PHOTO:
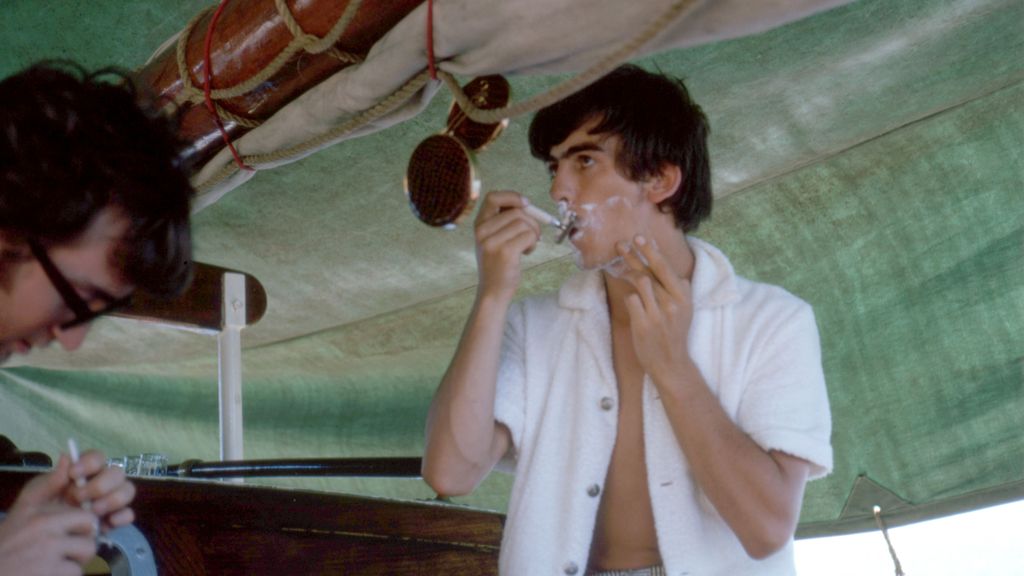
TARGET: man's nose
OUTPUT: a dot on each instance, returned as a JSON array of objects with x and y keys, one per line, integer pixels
[
  {"x": 562, "y": 187},
  {"x": 71, "y": 338}
]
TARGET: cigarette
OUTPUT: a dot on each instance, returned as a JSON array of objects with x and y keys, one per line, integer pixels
[
  {"x": 543, "y": 217},
  {"x": 81, "y": 482}
]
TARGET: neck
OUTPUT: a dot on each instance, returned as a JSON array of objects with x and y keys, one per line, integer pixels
[{"x": 674, "y": 249}]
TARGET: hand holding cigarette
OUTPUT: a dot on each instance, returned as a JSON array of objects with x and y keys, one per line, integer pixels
[
  {"x": 48, "y": 529},
  {"x": 106, "y": 492}
]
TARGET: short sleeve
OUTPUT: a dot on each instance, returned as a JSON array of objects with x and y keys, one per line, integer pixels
[
  {"x": 509, "y": 400},
  {"x": 785, "y": 404}
]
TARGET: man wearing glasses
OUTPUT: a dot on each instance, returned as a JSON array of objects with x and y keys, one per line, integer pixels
[{"x": 94, "y": 205}]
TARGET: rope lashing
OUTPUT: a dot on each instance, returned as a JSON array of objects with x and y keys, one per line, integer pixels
[
  {"x": 677, "y": 11},
  {"x": 351, "y": 125},
  {"x": 208, "y": 87},
  {"x": 301, "y": 40}
]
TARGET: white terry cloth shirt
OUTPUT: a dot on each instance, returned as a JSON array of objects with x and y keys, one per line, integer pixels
[{"x": 756, "y": 346}]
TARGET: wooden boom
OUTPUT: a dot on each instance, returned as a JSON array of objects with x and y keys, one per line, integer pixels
[{"x": 249, "y": 35}]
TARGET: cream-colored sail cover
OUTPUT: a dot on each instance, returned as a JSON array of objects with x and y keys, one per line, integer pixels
[{"x": 480, "y": 37}]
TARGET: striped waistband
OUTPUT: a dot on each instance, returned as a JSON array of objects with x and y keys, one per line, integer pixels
[{"x": 649, "y": 571}]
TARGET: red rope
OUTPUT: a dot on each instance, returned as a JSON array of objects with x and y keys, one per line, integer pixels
[
  {"x": 430, "y": 40},
  {"x": 208, "y": 86}
]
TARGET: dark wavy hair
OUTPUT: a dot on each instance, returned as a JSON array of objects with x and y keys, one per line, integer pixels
[
  {"x": 658, "y": 124},
  {"x": 73, "y": 143}
]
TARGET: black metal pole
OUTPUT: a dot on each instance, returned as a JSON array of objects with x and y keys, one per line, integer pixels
[{"x": 357, "y": 467}]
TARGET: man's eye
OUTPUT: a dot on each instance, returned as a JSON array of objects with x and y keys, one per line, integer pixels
[{"x": 585, "y": 160}]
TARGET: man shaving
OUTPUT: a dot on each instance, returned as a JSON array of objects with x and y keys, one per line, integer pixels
[
  {"x": 661, "y": 414},
  {"x": 94, "y": 206}
]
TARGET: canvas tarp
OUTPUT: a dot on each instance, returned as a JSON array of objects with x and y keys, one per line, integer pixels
[{"x": 869, "y": 158}]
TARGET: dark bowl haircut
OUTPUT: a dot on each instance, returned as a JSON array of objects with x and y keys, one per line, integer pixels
[
  {"x": 658, "y": 124},
  {"x": 73, "y": 143}
]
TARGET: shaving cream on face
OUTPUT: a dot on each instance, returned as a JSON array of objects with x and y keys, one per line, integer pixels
[{"x": 592, "y": 218}]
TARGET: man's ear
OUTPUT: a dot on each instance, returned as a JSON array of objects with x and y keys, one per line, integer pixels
[{"x": 665, "y": 183}]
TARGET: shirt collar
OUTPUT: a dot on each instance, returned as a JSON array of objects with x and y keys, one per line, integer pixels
[{"x": 714, "y": 280}]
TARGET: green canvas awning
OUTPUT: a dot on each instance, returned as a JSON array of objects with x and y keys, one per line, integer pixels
[{"x": 869, "y": 158}]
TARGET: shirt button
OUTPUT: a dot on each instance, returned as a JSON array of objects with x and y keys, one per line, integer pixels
[
  {"x": 593, "y": 490},
  {"x": 571, "y": 568},
  {"x": 607, "y": 403}
]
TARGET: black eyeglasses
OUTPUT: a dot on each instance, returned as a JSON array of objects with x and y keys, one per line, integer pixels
[{"x": 83, "y": 312}]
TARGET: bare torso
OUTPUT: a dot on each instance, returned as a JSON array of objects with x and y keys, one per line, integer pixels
[{"x": 624, "y": 536}]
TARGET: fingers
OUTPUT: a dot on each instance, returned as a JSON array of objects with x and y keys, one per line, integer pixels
[
  {"x": 500, "y": 209},
  {"x": 107, "y": 489},
  {"x": 497, "y": 201},
  {"x": 635, "y": 308},
  {"x": 660, "y": 290},
  {"x": 645, "y": 260},
  {"x": 639, "y": 276},
  {"x": 89, "y": 463},
  {"x": 503, "y": 230},
  {"x": 122, "y": 517},
  {"x": 660, "y": 267},
  {"x": 110, "y": 491},
  {"x": 630, "y": 256},
  {"x": 69, "y": 532},
  {"x": 100, "y": 484},
  {"x": 507, "y": 242},
  {"x": 46, "y": 487},
  {"x": 79, "y": 543},
  {"x": 503, "y": 233},
  {"x": 69, "y": 520},
  {"x": 50, "y": 539}
]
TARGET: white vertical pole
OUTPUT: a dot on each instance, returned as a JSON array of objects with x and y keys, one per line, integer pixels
[{"x": 229, "y": 356}]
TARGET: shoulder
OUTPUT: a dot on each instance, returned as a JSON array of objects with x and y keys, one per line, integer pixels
[
  {"x": 768, "y": 298},
  {"x": 770, "y": 320},
  {"x": 716, "y": 283}
]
